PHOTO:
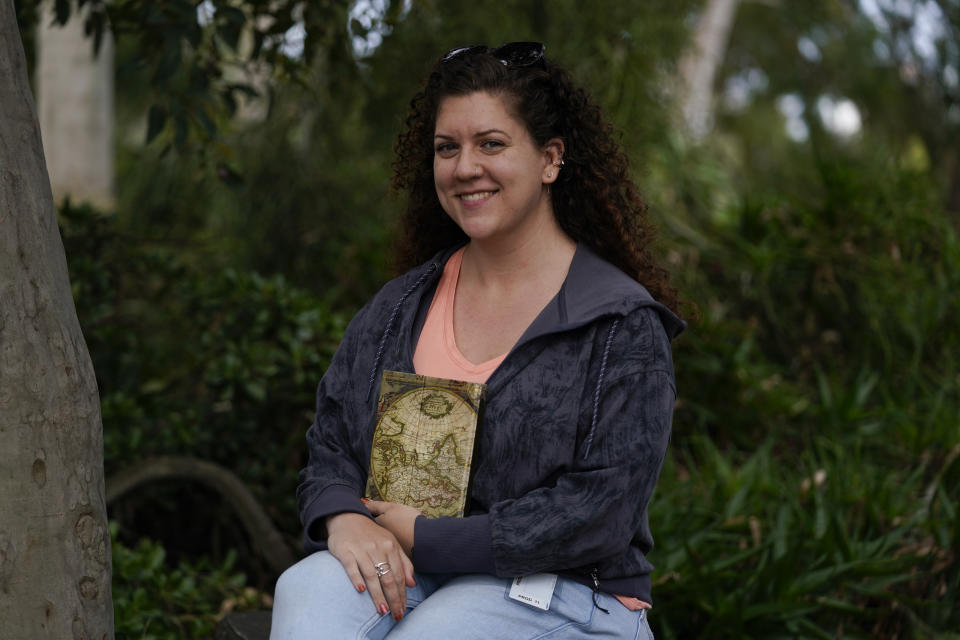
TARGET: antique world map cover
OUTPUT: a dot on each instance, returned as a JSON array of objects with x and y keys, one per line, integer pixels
[{"x": 423, "y": 442}]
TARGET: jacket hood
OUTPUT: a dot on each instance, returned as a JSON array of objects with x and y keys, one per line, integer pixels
[{"x": 595, "y": 288}]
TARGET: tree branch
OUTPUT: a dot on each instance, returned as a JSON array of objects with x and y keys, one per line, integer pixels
[{"x": 267, "y": 540}]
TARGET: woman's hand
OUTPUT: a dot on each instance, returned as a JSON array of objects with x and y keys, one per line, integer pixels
[
  {"x": 360, "y": 544},
  {"x": 398, "y": 519}
]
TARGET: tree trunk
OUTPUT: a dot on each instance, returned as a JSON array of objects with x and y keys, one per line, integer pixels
[
  {"x": 699, "y": 65},
  {"x": 54, "y": 541},
  {"x": 75, "y": 107}
]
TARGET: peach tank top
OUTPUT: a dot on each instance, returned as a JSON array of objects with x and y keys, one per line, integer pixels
[{"x": 437, "y": 354}]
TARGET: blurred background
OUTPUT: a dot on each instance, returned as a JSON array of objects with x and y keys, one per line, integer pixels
[{"x": 222, "y": 174}]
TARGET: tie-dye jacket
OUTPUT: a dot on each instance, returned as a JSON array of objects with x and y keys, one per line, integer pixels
[{"x": 573, "y": 433}]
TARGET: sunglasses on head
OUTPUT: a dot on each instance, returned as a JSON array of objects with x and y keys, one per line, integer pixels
[{"x": 512, "y": 54}]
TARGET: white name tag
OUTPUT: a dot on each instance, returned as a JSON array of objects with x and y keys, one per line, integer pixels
[{"x": 536, "y": 590}]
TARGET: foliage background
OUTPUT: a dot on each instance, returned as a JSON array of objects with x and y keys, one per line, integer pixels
[{"x": 811, "y": 488}]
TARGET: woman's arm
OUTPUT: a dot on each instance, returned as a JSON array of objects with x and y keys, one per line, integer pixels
[
  {"x": 334, "y": 477},
  {"x": 331, "y": 484},
  {"x": 593, "y": 512}
]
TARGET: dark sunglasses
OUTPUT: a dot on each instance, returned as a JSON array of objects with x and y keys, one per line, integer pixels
[{"x": 512, "y": 54}]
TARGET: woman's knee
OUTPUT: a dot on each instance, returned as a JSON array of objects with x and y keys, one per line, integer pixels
[
  {"x": 314, "y": 598},
  {"x": 306, "y": 576}
]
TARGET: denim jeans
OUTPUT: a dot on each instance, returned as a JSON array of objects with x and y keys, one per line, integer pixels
[{"x": 314, "y": 600}]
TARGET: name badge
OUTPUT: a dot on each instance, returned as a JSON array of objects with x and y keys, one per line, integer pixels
[{"x": 535, "y": 590}]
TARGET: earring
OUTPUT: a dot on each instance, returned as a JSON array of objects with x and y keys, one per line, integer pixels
[{"x": 556, "y": 164}]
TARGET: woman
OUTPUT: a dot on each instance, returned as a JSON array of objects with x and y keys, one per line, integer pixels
[{"x": 524, "y": 253}]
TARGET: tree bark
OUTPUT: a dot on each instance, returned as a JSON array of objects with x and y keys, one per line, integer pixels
[
  {"x": 75, "y": 107},
  {"x": 54, "y": 541},
  {"x": 699, "y": 65}
]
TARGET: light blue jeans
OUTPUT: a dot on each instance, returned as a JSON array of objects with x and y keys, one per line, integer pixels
[{"x": 314, "y": 599}]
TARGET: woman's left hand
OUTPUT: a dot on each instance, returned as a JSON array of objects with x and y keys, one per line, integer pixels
[{"x": 398, "y": 519}]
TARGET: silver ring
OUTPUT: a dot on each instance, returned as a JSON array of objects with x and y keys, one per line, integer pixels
[{"x": 383, "y": 568}]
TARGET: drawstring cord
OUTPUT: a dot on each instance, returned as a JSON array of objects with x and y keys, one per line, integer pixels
[
  {"x": 596, "y": 395},
  {"x": 596, "y": 591},
  {"x": 593, "y": 427},
  {"x": 393, "y": 318}
]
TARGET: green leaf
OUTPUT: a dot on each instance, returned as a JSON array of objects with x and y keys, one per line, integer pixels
[
  {"x": 781, "y": 531},
  {"x": 230, "y": 24},
  {"x": 820, "y": 520},
  {"x": 169, "y": 61},
  {"x": 61, "y": 12},
  {"x": 811, "y": 581},
  {"x": 206, "y": 123},
  {"x": 255, "y": 389},
  {"x": 156, "y": 119}
]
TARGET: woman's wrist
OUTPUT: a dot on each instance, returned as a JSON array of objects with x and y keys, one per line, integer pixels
[{"x": 334, "y": 518}]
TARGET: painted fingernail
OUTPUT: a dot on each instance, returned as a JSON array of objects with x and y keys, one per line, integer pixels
[
  {"x": 384, "y": 609},
  {"x": 398, "y": 617},
  {"x": 361, "y": 587},
  {"x": 364, "y": 500}
]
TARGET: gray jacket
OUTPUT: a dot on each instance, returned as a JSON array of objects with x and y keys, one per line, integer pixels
[{"x": 571, "y": 442}]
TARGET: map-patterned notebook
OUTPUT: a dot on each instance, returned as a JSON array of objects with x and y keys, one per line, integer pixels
[{"x": 423, "y": 443}]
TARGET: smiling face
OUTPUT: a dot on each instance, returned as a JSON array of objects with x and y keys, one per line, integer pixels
[{"x": 490, "y": 175}]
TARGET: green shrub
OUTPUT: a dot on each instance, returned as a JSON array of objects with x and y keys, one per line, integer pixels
[
  {"x": 152, "y": 601},
  {"x": 828, "y": 544},
  {"x": 220, "y": 365},
  {"x": 830, "y": 309},
  {"x": 812, "y": 485}
]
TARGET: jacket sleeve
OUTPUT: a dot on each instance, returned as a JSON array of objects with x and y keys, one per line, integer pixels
[
  {"x": 335, "y": 476},
  {"x": 599, "y": 506},
  {"x": 595, "y": 511}
]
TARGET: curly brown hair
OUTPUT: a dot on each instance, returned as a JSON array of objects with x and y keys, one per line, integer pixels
[{"x": 594, "y": 199}]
